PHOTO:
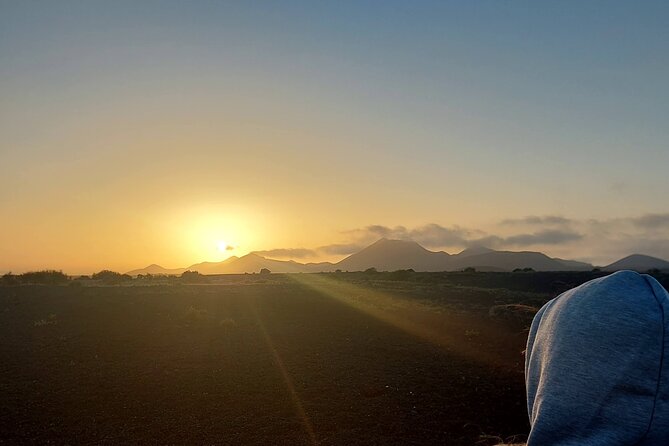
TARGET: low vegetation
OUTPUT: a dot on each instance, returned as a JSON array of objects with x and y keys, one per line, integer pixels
[
  {"x": 193, "y": 277},
  {"x": 45, "y": 277},
  {"x": 110, "y": 277}
]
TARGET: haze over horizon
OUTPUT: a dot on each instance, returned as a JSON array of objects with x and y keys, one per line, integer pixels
[{"x": 179, "y": 132}]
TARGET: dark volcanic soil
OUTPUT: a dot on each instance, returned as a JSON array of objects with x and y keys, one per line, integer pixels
[{"x": 247, "y": 360}]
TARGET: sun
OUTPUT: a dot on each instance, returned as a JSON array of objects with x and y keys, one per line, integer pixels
[{"x": 224, "y": 246}]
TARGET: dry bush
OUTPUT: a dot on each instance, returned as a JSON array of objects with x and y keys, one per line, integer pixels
[{"x": 513, "y": 312}]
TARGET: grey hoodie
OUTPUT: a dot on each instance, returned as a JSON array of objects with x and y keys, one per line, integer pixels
[{"x": 597, "y": 365}]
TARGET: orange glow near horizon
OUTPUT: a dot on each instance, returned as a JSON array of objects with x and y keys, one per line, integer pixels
[{"x": 210, "y": 234}]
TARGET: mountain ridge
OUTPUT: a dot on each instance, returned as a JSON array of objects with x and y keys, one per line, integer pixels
[
  {"x": 638, "y": 262},
  {"x": 391, "y": 255}
]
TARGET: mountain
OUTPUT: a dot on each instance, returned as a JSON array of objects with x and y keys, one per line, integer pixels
[
  {"x": 573, "y": 265},
  {"x": 320, "y": 267},
  {"x": 212, "y": 267},
  {"x": 250, "y": 263},
  {"x": 253, "y": 263},
  {"x": 157, "y": 270},
  {"x": 638, "y": 262},
  {"x": 391, "y": 255},
  {"x": 510, "y": 260},
  {"x": 474, "y": 250}
]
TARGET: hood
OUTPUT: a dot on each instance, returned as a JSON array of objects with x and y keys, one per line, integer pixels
[{"x": 597, "y": 365}]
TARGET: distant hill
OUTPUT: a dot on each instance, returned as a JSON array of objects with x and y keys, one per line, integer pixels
[
  {"x": 638, "y": 262},
  {"x": 211, "y": 267},
  {"x": 474, "y": 250},
  {"x": 389, "y": 255},
  {"x": 573, "y": 265},
  {"x": 509, "y": 260},
  {"x": 254, "y": 263},
  {"x": 157, "y": 270},
  {"x": 250, "y": 263}
]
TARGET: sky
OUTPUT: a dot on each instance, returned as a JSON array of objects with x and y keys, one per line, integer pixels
[{"x": 138, "y": 132}]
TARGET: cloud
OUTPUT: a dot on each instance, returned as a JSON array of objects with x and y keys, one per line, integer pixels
[
  {"x": 302, "y": 253},
  {"x": 385, "y": 231},
  {"x": 548, "y": 237},
  {"x": 600, "y": 241},
  {"x": 652, "y": 221},
  {"x": 537, "y": 220},
  {"x": 489, "y": 241},
  {"x": 340, "y": 248},
  {"x": 434, "y": 235},
  {"x": 298, "y": 253},
  {"x": 431, "y": 234},
  {"x": 229, "y": 248}
]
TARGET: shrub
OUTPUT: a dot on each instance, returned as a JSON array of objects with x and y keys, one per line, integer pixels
[
  {"x": 9, "y": 279},
  {"x": 110, "y": 277},
  {"x": 193, "y": 277},
  {"x": 401, "y": 274},
  {"x": 513, "y": 312},
  {"x": 265, "y": 271},
  {"x": 45, "y": 277}
]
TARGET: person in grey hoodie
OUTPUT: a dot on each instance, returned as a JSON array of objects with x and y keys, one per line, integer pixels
[{"x": 597, "y": 365}]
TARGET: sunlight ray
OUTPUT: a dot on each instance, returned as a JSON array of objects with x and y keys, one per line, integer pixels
[
  {"x": 285, "y": 376},
  {"x": 419, "y": 319}
]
